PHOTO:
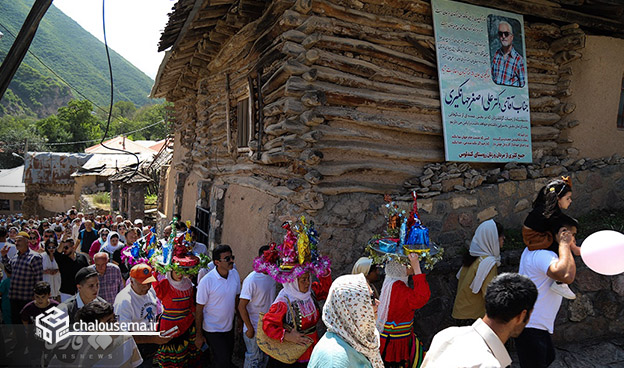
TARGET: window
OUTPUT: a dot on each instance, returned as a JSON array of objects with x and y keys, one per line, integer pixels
[
  {"x": 244, "y": 124},
  {"x": 5, "y": 205},
  {"x": 620, "y": 118},
  {"x": 17, "y": 205},
  {"x": 246, "y": 119},
  {"x": 202, "y": 223}
]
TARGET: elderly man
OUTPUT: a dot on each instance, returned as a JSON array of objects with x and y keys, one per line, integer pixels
[
  {"x": 26, "y": 269},
  {"x": 509, "y": 300},
  {"x": 507, "y": 63},
  {"x": 166, "y": 234},
  {"x": 111, "y": 281},
  {"x": 88, "y": 285},
  {"x": 137, "y": 302}
]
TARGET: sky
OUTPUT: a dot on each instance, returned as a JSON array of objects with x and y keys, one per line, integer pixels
[{"x": 133, "y": 27}]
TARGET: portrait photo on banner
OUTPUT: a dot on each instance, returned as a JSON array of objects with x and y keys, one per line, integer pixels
[{"x": 506, "y": 51}]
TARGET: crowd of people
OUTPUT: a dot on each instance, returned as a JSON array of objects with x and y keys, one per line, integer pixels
[{"x": 76, "y": 263}]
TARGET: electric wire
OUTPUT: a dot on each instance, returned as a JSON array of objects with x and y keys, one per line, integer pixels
[{"x": 110, "y": 72}]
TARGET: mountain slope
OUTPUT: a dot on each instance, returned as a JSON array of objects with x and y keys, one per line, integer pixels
[{"x": 74, "y": 54}]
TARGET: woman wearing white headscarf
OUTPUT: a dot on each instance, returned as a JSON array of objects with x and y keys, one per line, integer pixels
[
  {"x": 297, "y": 294},
  {"x": 371, "y": 271},
  {"x": 352, "y": 340},
  {"x": 478, "y": 270},
  {"x": 399, "y": 346},
  {"x": 112, "y": 244}
]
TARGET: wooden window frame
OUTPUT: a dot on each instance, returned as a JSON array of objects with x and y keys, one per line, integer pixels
[{"x": 251, "y": 118}]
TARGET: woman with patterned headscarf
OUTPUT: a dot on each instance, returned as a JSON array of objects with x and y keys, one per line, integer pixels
[
  {"x": 352, "y": 339},
  {"x": 399, "y": 346}
]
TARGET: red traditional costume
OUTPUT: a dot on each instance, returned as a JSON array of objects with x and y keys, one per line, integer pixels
[
  {"x": 397, "y": 337},
  {"x": 306, "y": 314},
  {"x": 294, "y": 258}
]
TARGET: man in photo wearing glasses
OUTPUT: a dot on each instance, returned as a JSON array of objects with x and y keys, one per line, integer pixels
[
  {"x": 217, "y": 303},
  {"x": 507, "y": 64}
]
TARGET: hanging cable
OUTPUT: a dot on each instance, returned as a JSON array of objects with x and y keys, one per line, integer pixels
[{"x": 110, "y": 72}]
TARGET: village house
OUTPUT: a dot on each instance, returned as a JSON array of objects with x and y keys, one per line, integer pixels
[{"x": 320, "y": 107}]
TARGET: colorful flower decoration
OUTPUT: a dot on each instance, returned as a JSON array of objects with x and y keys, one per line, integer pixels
[
  {"x": 177, "y": 254},
  {"x": 403, "y": 235},
  {"x": 296, "y": 255}
]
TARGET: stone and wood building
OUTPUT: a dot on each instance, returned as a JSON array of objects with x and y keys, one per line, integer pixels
[{"x": 320, "y": 107}]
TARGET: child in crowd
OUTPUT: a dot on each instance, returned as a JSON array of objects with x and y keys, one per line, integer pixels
[{"x": 551, "y": 199}]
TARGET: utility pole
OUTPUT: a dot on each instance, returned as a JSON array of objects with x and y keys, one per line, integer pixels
[{"x": 21, "y": 44}]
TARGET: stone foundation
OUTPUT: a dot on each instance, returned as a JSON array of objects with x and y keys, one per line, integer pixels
[{"x": 347, "y": 221}]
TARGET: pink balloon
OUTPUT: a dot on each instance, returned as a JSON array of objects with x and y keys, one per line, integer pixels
[{"x": 603, "y": 252}]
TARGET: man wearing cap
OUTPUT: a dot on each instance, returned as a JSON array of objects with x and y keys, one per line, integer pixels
[
  {"x": 69, "y": 263},
  {"x": 88, "y": 285},
  {"x": 137, "y": 302}
]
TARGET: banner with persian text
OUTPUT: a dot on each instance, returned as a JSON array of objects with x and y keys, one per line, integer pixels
[{"x": 482, "y": 74}]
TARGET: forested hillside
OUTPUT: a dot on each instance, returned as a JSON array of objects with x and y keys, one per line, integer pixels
[{"x": 72, "y": 53}]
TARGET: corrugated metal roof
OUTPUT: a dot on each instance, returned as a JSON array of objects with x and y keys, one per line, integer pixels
[
  {"x": 120, "y": 142},
  {"x": 11, "y": 180},
  {"x": 53, "y": 167}
]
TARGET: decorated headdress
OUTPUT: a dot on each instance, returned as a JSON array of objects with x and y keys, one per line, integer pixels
[
  {"x": 177, "y": 253},
  {"x": 404, "y": 234},
  {"x": 297, "y": 254}
]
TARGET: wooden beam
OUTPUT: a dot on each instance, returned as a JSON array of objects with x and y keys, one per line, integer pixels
[
  {"x": 552, "y": 13},
  {"x": 21, "y": 44}
]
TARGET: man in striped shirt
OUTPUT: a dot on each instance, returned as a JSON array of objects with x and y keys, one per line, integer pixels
[{"x": 507, "y": 64}]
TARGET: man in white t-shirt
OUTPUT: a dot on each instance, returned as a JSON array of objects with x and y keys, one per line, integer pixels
[
  {"x": 256, "y": 296},
  {"x": 217, "y": 301},
  {"x": 544, "y": 267},
  {"x": 137, "y": 302}
]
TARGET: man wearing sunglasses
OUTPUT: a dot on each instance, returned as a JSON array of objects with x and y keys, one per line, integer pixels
[
  {"x": 217, "y": 302},
  {"x": 507, "y": 64},
  {"x": 69, "y": 262}
]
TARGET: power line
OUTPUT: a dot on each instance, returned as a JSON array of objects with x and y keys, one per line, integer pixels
[
  {"x": 58, "y": 76},
  {"x": 91, "y": 140}
]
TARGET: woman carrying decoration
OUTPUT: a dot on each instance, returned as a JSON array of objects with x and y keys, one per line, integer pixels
[
  {"x": 289, "y": 327},
  {"x": 536, "y": 232},
  {"x": 399, "y": 345},
  {"x": 405, "y": 240},
  {"x": 478, "y": 270}
]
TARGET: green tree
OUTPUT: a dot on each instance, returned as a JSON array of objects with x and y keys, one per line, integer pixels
[
  {"x": 73, "y": 123},
  {"x": 152, "y": 114},
  {"x": 15, "y": 131}
]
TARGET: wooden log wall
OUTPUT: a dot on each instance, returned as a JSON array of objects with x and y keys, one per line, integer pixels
[{"x": 351, "y": 99}]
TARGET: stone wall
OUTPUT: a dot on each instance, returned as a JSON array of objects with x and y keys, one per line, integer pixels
[{"x": 347, "y": 222}]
